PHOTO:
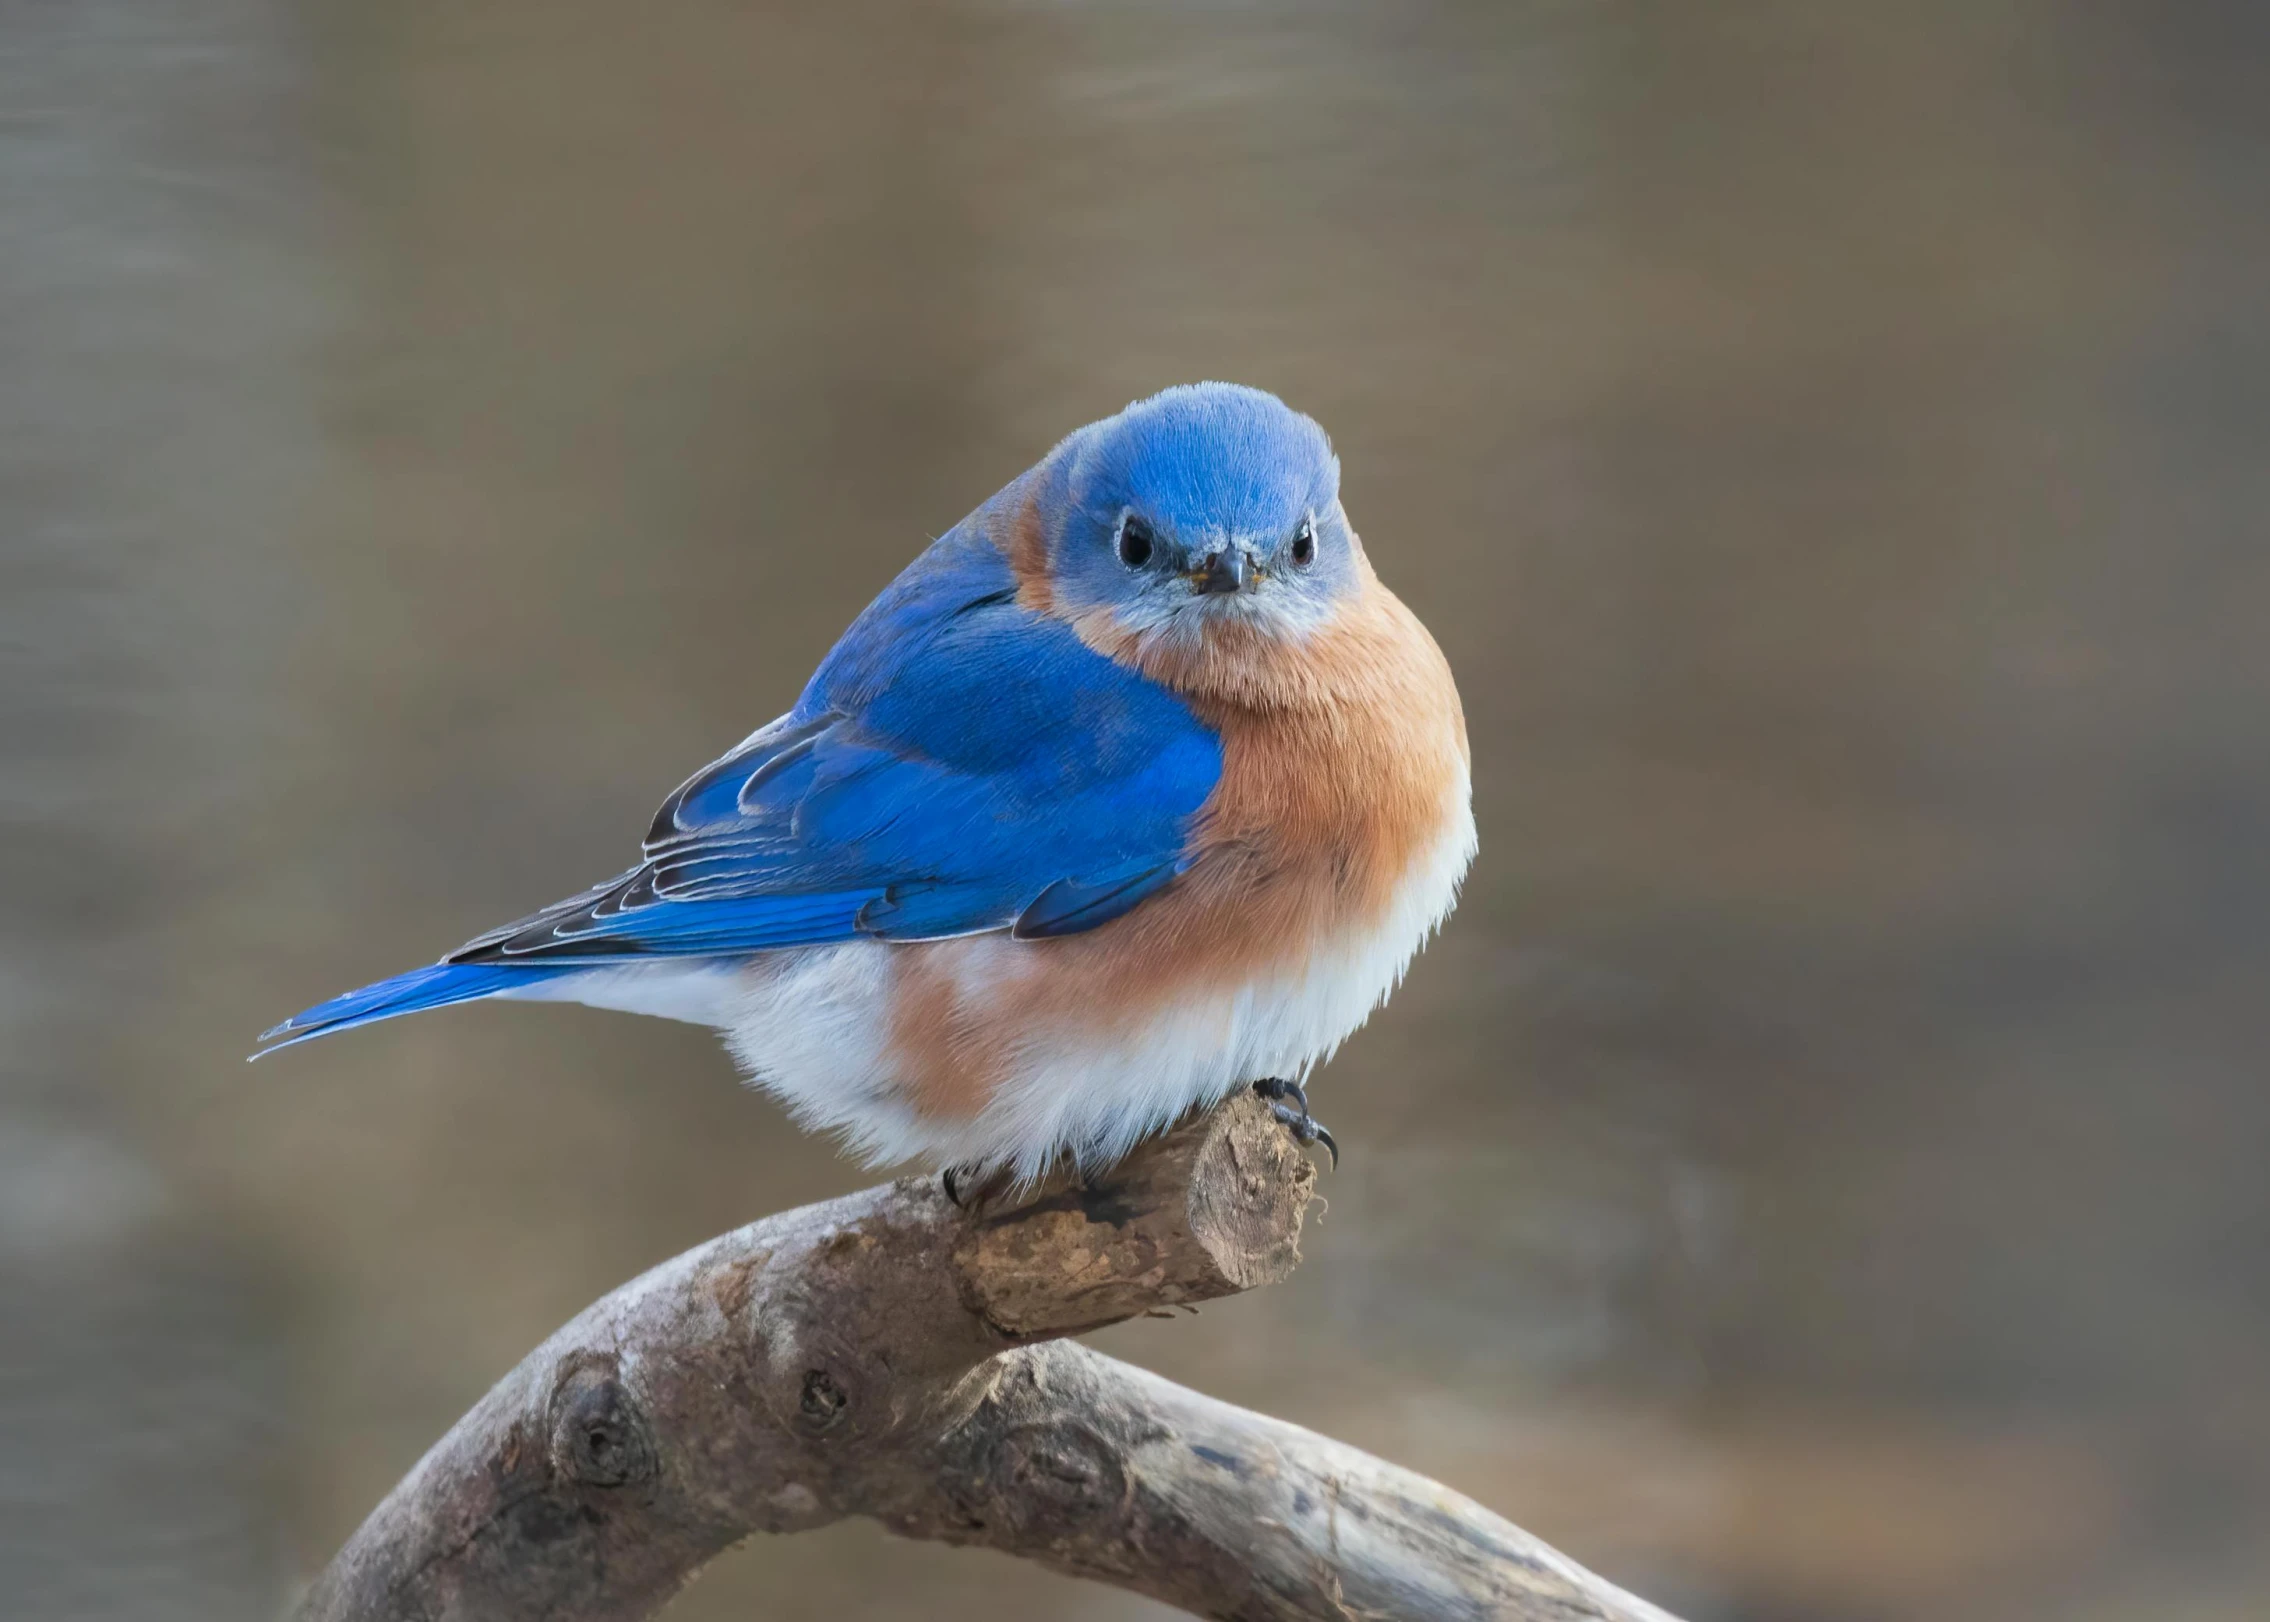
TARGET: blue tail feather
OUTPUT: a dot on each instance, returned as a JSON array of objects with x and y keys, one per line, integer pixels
[{"x": 435, "y": 986}]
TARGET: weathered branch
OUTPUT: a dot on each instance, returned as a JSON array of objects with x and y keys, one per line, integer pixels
[{"x": 888, "y": 1355}]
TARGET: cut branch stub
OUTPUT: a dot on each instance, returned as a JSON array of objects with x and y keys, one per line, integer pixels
[{"x": 1207, "y": 1210}]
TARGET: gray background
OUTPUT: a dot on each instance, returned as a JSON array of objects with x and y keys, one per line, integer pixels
[{"x": 1820, "y": 1173}]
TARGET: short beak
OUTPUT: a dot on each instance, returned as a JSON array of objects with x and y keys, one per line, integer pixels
[{"x": 1220, "y": 573}]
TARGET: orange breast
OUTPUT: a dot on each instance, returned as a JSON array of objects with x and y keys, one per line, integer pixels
[{"x": 1342, "y": 758}]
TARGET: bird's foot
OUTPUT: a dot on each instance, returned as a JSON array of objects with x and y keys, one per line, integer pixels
[
  {"x": 1289, "y": 1104},
  {"x": 970, "y": 1188},
  {"x": 978, "y": 1191}
]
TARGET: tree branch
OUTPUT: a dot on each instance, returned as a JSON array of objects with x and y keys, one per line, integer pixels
[{"x": 888, "y": 1355}]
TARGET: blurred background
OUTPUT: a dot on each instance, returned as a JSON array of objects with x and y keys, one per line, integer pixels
[{"x": 1821, "y": 1171}]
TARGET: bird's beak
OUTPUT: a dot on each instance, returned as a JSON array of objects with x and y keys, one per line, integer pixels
[{"x": 1219, "y": 573}]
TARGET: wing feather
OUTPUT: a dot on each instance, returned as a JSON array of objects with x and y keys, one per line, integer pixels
[{"x": 959, "y": 764}]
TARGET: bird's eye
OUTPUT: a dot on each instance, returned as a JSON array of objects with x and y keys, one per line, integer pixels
[
  {"x": 1304, "y": 545},
  {"x": 1134, "y": 542}
]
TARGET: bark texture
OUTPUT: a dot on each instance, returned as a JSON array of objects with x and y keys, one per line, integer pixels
[{"x": 889, "y": 1355}]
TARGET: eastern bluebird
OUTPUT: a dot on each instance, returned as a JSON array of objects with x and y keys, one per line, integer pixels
[{"x": 1135, "y": 788}]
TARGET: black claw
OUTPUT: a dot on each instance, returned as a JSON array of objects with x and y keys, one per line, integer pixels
[
  {"x": 1277, "y": 1090},
  {"x": 1306, "y": 1129},
  {"x": 951, "y": 1180}
]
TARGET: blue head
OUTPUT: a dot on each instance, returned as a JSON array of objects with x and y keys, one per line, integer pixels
[{"x": 1204, "y": 505}]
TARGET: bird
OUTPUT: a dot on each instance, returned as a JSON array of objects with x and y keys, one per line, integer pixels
[{"x": 1135, "y": 789}]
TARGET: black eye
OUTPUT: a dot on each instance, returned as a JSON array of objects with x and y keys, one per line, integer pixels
[
  {"x": 1134, "y": 542},
  {"x": 1304, "y": 545}
]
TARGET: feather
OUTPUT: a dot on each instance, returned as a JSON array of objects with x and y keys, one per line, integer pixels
[{"x": 436, "y": 986}]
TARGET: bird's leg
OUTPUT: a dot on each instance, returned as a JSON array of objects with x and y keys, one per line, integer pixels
[{"x": 1306, "y": 1129}]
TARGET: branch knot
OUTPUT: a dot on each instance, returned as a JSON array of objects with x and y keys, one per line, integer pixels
[{"x": 599, "y": 1437}]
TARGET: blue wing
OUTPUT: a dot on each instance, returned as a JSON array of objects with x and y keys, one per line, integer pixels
[{"x": 957, "y": 765}]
